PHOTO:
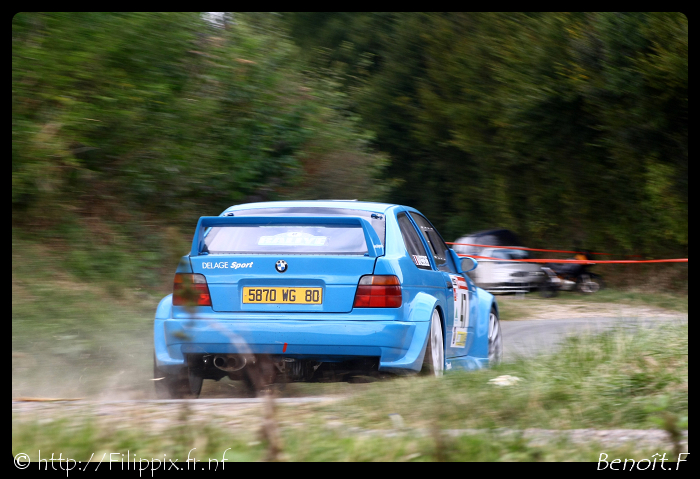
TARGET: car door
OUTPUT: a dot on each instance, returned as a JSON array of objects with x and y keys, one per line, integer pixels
[{"x": 460, "y": 299}]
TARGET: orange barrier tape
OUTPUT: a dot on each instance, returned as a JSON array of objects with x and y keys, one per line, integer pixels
[
  {"x": 538, "y": 249},
  {"x": 580, "y": 261}
]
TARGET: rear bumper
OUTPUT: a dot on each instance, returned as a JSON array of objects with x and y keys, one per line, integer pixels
[{"x": 399, "y": 345}]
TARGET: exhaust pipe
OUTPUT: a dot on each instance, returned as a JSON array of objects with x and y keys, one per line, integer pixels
[{"x": 229, "y": 362}]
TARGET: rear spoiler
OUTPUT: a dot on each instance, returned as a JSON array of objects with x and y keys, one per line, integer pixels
[{"x": 374, "y": 245}]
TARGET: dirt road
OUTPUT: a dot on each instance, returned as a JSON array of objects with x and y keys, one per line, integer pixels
[
  {"x": 531, "y": 337},
  {"x": 130, "y": 376}
]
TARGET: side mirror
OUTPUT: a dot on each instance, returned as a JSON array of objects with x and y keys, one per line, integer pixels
[
  {"x": 456, "y": 260},
  {"x": 469, "y": 264}
]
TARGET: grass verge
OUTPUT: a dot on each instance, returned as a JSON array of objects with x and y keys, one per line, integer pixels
[
  {"x": 211, "y": 444},
  {"x": 624, "y": 378}
]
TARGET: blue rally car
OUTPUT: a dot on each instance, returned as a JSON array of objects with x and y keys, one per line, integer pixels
[{"x": 319, "y": 291}]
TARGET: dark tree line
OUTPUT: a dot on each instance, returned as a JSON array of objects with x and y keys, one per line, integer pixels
[{"x": 564, "y": 127}]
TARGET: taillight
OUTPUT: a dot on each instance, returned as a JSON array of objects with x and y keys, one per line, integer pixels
[
  {"x": 378, "y": 291},
  {"x": 190, "y": 290}
]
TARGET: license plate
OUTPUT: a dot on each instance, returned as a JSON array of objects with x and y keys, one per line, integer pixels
[{"x": 282, "y": 295}]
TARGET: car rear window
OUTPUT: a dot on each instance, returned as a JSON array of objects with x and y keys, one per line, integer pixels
[
  {"x": 494, "y": 237},
  {"x": 377, "y": 220},
  {"x": 510, "y": 254},
  {"x": 286, "y": 239}
]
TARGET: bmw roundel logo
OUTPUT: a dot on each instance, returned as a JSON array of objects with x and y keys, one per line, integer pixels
[{"x": 281, "y": 266}]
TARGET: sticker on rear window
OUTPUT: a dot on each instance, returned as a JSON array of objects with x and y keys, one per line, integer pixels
[
  {"x": 293, "y": 238},
  {"x": 421, "y": 260}
]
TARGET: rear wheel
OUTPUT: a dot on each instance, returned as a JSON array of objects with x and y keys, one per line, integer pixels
[
  {"x": 434, "y": 359},
  {"x": 495, "y": 339},
  {"x": 589, "y": 283},
  {"x": 185, "y": 385}
]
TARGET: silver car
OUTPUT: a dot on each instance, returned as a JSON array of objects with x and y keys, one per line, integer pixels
[{"x": 501, "y": 276}]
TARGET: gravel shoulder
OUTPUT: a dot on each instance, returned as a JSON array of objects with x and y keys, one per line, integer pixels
[
  {"x": 527, "y": 338},
  {"x": 533, "y": 308}
]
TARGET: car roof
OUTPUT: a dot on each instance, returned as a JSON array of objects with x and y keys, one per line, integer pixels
[
  {"x": 489, "y": 232},
  {"x": 503, "y": 236},
  {"x": 343, "y": 204}
]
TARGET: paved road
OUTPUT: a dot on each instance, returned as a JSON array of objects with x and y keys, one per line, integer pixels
[{"x": 528, "y": 338}]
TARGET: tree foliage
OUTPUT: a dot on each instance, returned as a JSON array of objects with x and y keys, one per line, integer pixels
[
  {"x": 569, "y": 128},
  {"x": 172, "y": 114},
  {"x": 566, "y": 127}
]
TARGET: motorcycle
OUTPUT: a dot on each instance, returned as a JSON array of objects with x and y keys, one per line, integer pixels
[{"x": 567, "y": 277}]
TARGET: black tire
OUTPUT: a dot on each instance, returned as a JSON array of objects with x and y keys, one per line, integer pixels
[
  {"x": 434, "y": 359},
  {"x": 185, "y": 385},
  {"x": 588, "y": 283},
  {"x": 598, "y": 280}
]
